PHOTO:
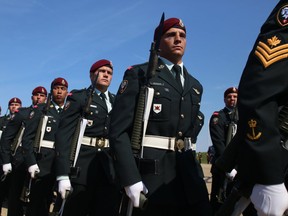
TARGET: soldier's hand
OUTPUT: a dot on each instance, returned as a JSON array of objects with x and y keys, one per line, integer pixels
[
  {"x": 33, "y": 170},
  {"x": 7, "y": 168},
  {"x": 231, "y": 175},
  {"x": 63, "y": 187},
  {"x": 133, "y": 192}
]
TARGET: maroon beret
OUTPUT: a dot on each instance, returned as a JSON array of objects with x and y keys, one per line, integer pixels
[
  {"x": 170, "y": 23},
  {"x": 230, "y": 90},
  {"x": 14, "y": 100},
  {"x": 100, "y": 63},
  {"x": 39, "y": 89},
  {"x": 59, "y": 81}
]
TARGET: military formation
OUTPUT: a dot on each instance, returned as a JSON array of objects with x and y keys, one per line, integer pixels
[{"x": 89, "y": 152}]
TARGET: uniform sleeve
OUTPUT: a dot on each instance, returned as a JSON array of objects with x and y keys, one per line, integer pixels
[
  {"x": 122, "y": 117},
  {"x": 31, "y": 126},
  {"x": 217, "y": 133},
  {"x": 8, "y": 136}
]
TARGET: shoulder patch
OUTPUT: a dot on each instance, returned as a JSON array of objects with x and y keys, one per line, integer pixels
[
  {"x": 282, "y": 15},
  {"x": 67, "y": 105},
  {"x": 123, "y": 86}
]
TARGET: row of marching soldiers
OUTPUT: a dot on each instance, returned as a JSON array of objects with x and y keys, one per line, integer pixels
[
  {"x": 30, "y": 169},
  {"x": 64, "y": 146}
]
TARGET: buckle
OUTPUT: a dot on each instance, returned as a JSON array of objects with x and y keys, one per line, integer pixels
[
  {"x": 101, "y": 142},
  {"x": 179, "y": 145}
]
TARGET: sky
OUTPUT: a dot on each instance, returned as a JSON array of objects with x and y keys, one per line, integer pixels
[{"x": 41, "y": 40}]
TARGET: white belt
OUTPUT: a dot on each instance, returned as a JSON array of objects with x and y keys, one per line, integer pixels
[
  {"x": 95, "y": 142},
  {"x": 47, "y": 144},
  {"x": 168, "y": 143}
]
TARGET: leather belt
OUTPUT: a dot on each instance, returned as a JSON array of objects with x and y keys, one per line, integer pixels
[
  {"x": 168, "y": 143},
  {"x": 95, "y": 142},
  {"x": 47, "y": 144}
]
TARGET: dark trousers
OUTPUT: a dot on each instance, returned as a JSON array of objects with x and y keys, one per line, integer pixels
[
  {"x": 98, "y": 197},
  {"x": 41, "y": 196},
  {"x": 15, "y": 205}
]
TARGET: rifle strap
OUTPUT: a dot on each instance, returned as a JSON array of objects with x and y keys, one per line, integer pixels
[
  {"x": 43, "y": 128},
  {"x": 148, "y": 103},
  {"x": 79, "y": 141}
]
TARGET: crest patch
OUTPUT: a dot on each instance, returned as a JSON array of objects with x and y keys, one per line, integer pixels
[
  {"x": 123, "y": 86},
  {"x": 157, "y": 108},
  {"x": 282, "y": 16}
]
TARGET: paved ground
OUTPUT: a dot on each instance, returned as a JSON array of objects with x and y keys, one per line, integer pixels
[{"x": 207, "y": 175}]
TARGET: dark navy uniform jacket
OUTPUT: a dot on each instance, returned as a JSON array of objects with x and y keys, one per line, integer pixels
[
  {"x": 45, "y": 158},
  {"x": 263, "y": 88},
  {"x": 173, "y": 114},
  {"x": 98, "y": 126},
  {"x": 218, "y": 126},
  {"x": 12, "y": 128}
]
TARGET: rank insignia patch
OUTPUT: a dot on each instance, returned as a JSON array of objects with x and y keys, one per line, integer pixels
[
  {"x": 271, "y": 52},
  {"x": 157, "y": 108},
  {"x": 123, "y": 86},
  {"x": 253, "y": 134},
  {"x": 282, "y": 16}
]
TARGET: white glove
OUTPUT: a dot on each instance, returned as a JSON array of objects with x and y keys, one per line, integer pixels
[
  {"x": 7, "y": 168},
  {"x": 63, "y": 187},
  {"x": 133, "y": 192},
  {"x": 232, "y": 174},
  {"x": 33, "y": 170}
]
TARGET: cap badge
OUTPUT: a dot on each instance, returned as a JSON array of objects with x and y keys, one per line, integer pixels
[{"x": 181, "y": 23}]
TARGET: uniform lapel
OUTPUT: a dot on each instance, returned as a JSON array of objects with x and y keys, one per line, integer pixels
[{"x": 165, "y": 74}]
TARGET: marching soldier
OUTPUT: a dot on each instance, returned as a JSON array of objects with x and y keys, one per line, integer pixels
[
  {"x": 167, "y": 173},
  {"x": 256, "y": 148},
  {"x": 10, "y": 139},
  {"x": 82, "y": 158},
  {"x": 219, "y": 129},
  {"x": 38, "y": 148},
  {"x": 13, "y": 105}
]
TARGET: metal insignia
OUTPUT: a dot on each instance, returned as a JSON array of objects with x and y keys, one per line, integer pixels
[
  {"x": 196, "y": 91},
  {"x": 123, "y": 86},
  {"x": 282, "y": 16},
  {"x": 253, "y": 135},
  {"x": 48, "y": 129},
  {"x": 31, "y": 114},
  {"x": 157, "y": 108},
  {"x": 161, "y": 66},
  {"x": 89, "y": 122},
  {"x": 179, "y": 144}
]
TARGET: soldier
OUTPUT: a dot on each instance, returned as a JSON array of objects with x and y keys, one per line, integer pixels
[
  {"x": 256, "y": 148},
  {"x": 13, "y": 105},
  {"x": 94, "y": 191},
  {"x": 219, "y": 129},
  {"x": 168, "y": 173},
  {"x": 16, "y": 162},
  {"x": 38, "y": 148}
]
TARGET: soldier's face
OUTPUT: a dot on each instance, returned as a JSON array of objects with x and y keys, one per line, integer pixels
[
  {"x": 59, "y": 94},
  {"x": 38, "y": 98},
  {"x": 13, "y": 107},
  {"x": 104, "y": 77},
  {"x": 231, "y": 100},
  {"x": 173, "y": 44}
]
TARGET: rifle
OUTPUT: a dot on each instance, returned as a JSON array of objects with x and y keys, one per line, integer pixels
[
  {"x": 17, "y": 140},
  {"x": 42, "y": 124},
  {"x": 79, "y": 132},
  {"x": 142, "y": 114}
]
